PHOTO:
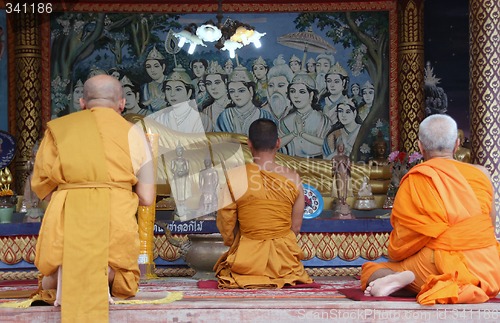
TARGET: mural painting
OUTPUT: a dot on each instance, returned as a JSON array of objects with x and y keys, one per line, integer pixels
[{"x": 323, "y": 77}]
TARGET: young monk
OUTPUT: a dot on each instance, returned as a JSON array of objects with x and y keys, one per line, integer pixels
[{"x": 262, "y": 214}]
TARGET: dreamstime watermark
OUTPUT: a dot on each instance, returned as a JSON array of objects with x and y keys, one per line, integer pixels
[{"x": 433, "y": 315}]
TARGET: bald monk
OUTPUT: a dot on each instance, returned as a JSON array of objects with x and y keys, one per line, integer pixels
[
  {"x": 94, "y": 168},
  {"x": 443, "y": 245},
  {"x": 264, "y": 205}
]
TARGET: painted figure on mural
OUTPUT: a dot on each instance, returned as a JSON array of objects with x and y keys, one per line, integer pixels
[
  {"x": 302, "y": 131},
  {"x": 77, "y": 94},
  {"x": 182, "y": 113},
  {"x": 337, "y": 82},
  {"x": 238, "y": 117},
  {"x": 344, "y": 131},
  {"x": 279, "y": 77},
  {"x": 132, "y": 97},
  {"x": 356, "y": 93},
  {"x": 199, "y": 69},
  {"x": 229, "y": 66},
  {"x": 260, "y": 70},
  {"x": 295, "y": 64},
  {"x": 218, "y": 98},
  {"x": 152, "y": 95},
  {"x": 368, "y": 94},
  {"x": 311, "y": 67},
  {"x": 323, "y": 64}
]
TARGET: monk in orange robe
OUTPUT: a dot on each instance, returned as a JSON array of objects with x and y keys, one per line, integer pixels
[
  {"x": 93, "y": 167},
  {"x": 443, "y": 245},
  {"x": 264, "y": 205}
]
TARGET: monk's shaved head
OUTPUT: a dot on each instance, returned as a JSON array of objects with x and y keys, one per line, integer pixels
[
  {"x": 103, "y": 91},
  {"x": 438, "y": 133}
]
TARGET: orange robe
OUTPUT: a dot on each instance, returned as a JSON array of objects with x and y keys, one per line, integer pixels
[
  {"x": 90, "y": 222},
  {"x": 442, "y": 231},
  {"x": 263, "y": 249}
]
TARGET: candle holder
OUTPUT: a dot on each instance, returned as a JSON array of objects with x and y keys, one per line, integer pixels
[{"x": 146, "y": 219}]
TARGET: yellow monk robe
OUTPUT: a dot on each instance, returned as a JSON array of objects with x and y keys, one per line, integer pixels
[
  {"x": 90, "y": 222},
  {"x": 442, "y": 231},
  {"x": 263, "y": 249}
]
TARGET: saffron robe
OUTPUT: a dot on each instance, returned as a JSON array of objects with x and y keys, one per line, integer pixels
[
  {"x": 90, "y": 222},
  {"x": 256, "y": 225},
  {"x": 442, "y": 231}
]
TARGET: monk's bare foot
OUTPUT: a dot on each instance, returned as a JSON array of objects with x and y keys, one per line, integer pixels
[
  {"x": 57, "y": 302},
  {"x": 387, "y": 285},
  {"x": 110, "y": 299}
]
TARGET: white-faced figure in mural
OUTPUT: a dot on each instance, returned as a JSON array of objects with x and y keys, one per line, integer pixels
[
  {"x": 295, "y": 64},
  {"x": 279, "y": 77},
  {"x": 368, "y": 94},
  {"x": 216, "y": 84},
  {"x": 323, "y": 64},
  {"x": 238, "y": 117},
  {"x": 229, "y": 67},
  {"x": 337, "y": 82},
  {"x": 182, "y": 114},
  {"x": 199, "y": 68},
  {"x": 76, "y": 95},
  {"x": 131, "y": 95},
  {"x": 153, "y": 97},
  {"x": 311, "y": 67},
  {"x": 303, "y": 130},
  {"x": 356, "y": 93},
  {"x": 260, "y": 70},
  {"x": 344, "y": 131}
]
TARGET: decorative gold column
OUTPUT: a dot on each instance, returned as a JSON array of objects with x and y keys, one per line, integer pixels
[
  {"x": 411, "y": 71},
  {"x": 484, "y": 62},
  {"x": 28, "y": 87}
]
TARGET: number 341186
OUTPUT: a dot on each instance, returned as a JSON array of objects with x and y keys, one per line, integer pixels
[{"x": 28, "y": 7}]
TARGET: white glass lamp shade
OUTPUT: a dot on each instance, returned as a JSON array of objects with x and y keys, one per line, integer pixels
[
  {"x": 255, "y": 38},
  {"x": 208, "y": 33},
  {"x": 231, "y": 46},
  {"x": 242, "y": 35}
]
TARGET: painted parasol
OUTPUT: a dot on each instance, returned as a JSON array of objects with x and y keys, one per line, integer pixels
[{"x": 306, "y": 41}]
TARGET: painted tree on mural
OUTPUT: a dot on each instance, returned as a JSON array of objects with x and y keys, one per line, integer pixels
[
  {"x": 77, "y": 35},
  {"x": 368, "y": 34}
]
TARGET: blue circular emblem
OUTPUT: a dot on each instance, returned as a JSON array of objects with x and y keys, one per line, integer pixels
[
  {"x": 314, "y": 202},
  {"x": 7, "y": 148}
]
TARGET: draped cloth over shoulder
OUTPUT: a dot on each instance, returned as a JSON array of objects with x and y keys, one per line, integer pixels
[
  {"x": 444, "y": 234},
  {"x": 263, "y": 250},
  {"x": 91, "y": 215}
]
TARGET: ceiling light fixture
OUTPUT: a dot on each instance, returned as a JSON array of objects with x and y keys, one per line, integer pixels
[{"x": 229, "y": 36}]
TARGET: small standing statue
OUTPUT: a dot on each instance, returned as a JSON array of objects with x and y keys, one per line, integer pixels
[
  {"x": 341, "y": 172},
  {"x": 31, "y": 202},
  {"x": 180, "y": 170},
  {"x": 209, "y": 183}
]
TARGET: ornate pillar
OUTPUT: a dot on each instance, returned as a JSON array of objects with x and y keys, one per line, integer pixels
[
  {"x": 411, "y": 71},
  {"x": 28, "y": 87},
  {"x": 484, "y": 62}
]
